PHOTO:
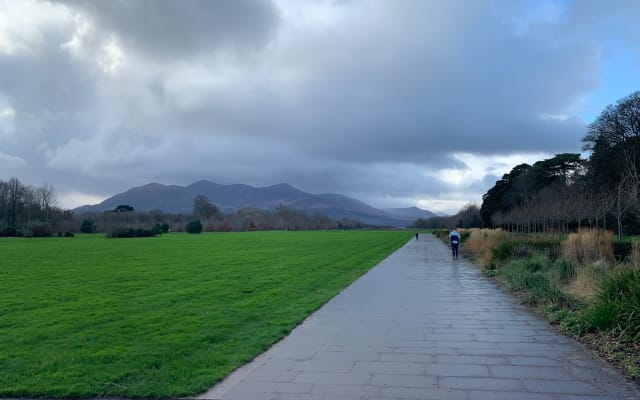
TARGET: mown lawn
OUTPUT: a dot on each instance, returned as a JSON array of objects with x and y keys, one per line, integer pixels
[{"x": 166, "y": 316}]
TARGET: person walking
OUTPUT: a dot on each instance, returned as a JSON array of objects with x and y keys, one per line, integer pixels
[{"x": 454, "y": 238}]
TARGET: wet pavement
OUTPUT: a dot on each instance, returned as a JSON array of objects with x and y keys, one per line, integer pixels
[{"x": 423, "y": 326}]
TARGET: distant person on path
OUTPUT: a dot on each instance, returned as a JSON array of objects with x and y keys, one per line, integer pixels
[
  {"x": 454, "y": 238},
  {"x": 417, "y": 233}
]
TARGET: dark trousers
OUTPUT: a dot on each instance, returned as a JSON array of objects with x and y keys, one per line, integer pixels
[{"x": 454, "y": 250}]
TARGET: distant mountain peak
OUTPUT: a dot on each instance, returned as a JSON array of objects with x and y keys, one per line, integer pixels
[
  {"x": 230, "y": 198},
  {"x": 201, "y": 182},
  {"x": 150, "y": 186},
  {"x": 411, "y": 213}
]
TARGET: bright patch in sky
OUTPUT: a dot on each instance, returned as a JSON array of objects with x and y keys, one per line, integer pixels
[
  {"x": 70, "y": 200},
  {"x": 476, "y": 167},
  {"x": 7, "y": 124}
]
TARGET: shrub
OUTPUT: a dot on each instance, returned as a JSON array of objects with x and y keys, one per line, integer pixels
[
  {"x": 145, "y": 232},
  {"x": 39, "y": 229},
  {"x": 161, "y": 228},
  {"x": 536, "y": 263},
  {"x": 602, "y": 315},
  {"x": 69, "y": 234},
  {"x": 530, "y": 276},
  {"x": 524, "y": 246},
  {"x": 622, "y": 249},
  {"x": 517, "y": 276},
  {"x": 567, "y": 269},
  {"x": 193, "y": 227},
  {"x": 503, "y": 251},
  {"x": 11, "y": 232},
  {"x": 617, "y": 303},
  {"x": 88, "y": 226},
  {"x": 123, "y": 232}
]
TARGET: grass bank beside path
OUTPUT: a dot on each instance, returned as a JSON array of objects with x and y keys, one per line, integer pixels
[
  {"x": 586, "y": 283},
  {"x": 167, "y": 316}
]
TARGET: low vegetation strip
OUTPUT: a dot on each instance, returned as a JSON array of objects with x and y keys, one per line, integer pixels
[
  {"x": 166, "y": 316},
  {"x": 582, "y": 282}
]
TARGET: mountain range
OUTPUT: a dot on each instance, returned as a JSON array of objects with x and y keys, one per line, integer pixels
[{"x": 230, "y": 198}]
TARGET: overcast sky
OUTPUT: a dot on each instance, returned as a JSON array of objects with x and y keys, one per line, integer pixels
[{"x": 396, "y": 103}]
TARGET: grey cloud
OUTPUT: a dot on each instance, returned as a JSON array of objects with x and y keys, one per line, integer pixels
[
  {"x": 177, "y": 29},
  {"x": 46, "y": 79},
  {"x": 499, "y": 91},
  {"x": 242, "y": 92},
  {"x": 51, "y": 95}
]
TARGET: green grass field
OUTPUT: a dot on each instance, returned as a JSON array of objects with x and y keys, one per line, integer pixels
[{"x": 166, "y": 316}]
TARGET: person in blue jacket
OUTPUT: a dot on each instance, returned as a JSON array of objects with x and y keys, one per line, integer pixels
[{"x": 454, "y": 238}]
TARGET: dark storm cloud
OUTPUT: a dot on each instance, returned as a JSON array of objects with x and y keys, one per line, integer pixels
[{"x": 171, "y": 29}]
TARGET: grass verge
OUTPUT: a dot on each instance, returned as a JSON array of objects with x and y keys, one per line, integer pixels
[
  {"x": 576, "y": 281},
  {"x": 162, "y": 317}
]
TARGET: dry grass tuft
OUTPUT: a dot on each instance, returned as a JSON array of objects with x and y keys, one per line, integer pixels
[
  {"x": 585, "y": 284},
  {"x": 482, "y": 241},
  {"x": 588, "y": 245}
]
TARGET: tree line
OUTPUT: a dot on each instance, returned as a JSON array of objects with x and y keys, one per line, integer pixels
[
  {"x": 29, "y": 210},
  {"x": 32, "y": 211},
  {"x": 467, "y": 217},
  {"x": 566, "y": 192},
  {"x": 207, "y": 217}
]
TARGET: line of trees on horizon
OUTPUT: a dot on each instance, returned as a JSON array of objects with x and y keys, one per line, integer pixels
[
  {"x": 32, "y": 211},
  {"x": 209, "y": 218},
  {"x": 29, "y": 210},
  {"x": 467, "y": 217}
]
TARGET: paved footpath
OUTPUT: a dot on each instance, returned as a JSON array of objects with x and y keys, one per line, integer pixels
[{"x": 423, "y": 326}]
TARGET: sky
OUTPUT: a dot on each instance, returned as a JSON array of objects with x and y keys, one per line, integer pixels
[{"x": 397, "y": 103}]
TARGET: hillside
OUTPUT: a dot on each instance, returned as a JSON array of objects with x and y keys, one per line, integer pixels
[{"x": 230, "y": 198}]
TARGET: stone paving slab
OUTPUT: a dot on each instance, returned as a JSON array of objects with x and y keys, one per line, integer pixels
[{"x": 423, "y": 326}]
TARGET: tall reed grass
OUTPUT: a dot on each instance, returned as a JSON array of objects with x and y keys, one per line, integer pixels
[
  {"x": 588, "y": 245},
  {"x": 481, "y": 243}
]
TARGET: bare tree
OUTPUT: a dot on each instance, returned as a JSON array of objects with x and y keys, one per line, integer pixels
[
  {"x": 46, "y": 199},
  {"x": 14, "y": 194},
  {"x": 623, "y": 201}
]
